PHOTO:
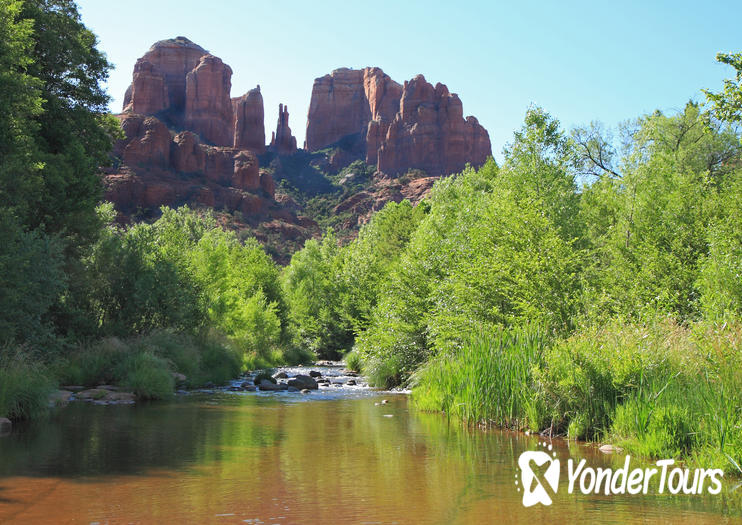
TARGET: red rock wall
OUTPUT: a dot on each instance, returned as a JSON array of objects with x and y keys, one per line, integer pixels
[{"x": 402, "y": 127}]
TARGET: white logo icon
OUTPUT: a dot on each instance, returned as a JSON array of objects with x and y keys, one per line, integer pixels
[{"x": 539, "y": 476}]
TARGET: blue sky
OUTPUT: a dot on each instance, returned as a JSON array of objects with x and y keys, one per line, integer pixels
[{"x": 581, "y": 61}]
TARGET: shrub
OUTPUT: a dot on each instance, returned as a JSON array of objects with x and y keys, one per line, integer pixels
[
  {"x": 149, "y": 376},
  {"x": 353, "y": 361}
]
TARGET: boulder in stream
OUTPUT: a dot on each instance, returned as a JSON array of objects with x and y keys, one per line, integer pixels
[{"x": 302, "y": 381}]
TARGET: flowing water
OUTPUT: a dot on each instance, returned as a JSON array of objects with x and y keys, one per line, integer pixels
[{"x": 333, "y": 456}]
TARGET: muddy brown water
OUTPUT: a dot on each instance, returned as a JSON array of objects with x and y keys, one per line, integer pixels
[{"x": 328, "y": 457}]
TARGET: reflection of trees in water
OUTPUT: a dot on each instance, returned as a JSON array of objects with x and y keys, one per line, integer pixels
[{"x": 84, "y": 440}]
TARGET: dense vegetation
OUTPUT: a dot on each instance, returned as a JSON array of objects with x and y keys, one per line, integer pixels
[
  {"x": 590, "y": 285},
  {"x": 83, "y": 301}
]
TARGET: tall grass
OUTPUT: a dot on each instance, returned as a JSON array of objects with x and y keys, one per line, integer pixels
[
  {"x": 489, "y": 379},
  {"x": 658, "y": 389},
  {"x": 24, "y": 386}
]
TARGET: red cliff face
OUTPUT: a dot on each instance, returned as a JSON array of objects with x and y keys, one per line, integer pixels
[
  {"x": 282, "y": 141},
  {"x": 345, "y": 101},
  {"x": 208, "y": 109},
  {"x": 400, "y": 127},
  {"x": 431, "y": 134}
]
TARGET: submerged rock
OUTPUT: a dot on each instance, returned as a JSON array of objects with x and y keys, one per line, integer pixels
[
  {"x": 5, "y": 426},
  {"x": 60, "y": 397}
]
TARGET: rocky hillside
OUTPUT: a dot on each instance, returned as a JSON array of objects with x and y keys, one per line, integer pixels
[{"x": 369, "y": 141}]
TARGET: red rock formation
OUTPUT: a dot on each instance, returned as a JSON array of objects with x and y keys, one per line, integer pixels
[
  {"x": 147, "y": 142},
  {"x": 246, "y": 172},
  {"x": 169, "y": 61},
  {"x": 345, "y": 101},
  {"x": 154, "y": 163},
  {"x": 186, "y": 87},
  {"x": 249, "y": 128},
  {"x": 148, "y": 93},
  {"x": 208, "y": 109},
  {"x": 430, "y": 133},
  {"x": 415, "y": 126},
  {"x": 282, "y": 141}
]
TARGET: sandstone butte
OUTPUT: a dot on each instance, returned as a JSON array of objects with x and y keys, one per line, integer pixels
[
  {"x": 395, "y": 127},
  {"x": 187, "y": 141}
]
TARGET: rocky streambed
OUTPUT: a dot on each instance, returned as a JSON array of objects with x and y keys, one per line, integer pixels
[{"x": 328, "y": 379}]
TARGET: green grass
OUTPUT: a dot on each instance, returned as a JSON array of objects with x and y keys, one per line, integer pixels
[
  {"x": 353, "y": 361},
  {"x": 24, "y": 388},
  {"x": 148, "y": 376},
  {"x": 488, "y": 380},
  {"x": 658, "y": 389}
]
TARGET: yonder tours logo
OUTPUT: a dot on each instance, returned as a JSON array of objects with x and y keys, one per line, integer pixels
[{"x": 540, "y": 473}]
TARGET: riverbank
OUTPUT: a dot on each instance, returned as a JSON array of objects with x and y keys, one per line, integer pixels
[
  {"x": 658, "y": 390},
  {"x": 116, "y": 370}
]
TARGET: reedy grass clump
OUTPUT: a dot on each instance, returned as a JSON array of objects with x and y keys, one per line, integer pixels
[
  {"x": 489, "y": 379},
  {"x": 353, "y": 361},
  {"x": 658, "y": 389},
  {"x": 25, "y": 386}
]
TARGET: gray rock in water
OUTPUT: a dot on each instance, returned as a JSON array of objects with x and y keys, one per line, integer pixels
[
  {"x": 351, "y": 382},
  {"x": 315, "y": 373},
  {"x": 60, "y": 398},
  {"x": 266, "y": 385},
  {"x": 5, "y": 426},
  {"x": 280, "y": 375},
  {"x": 293, "y": 389},
  {"x": 306, "y": 391},
  {"x": 301, "y": 382}
]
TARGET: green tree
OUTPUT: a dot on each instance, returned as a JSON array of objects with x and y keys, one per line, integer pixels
[
  {"x": 727, "y": 105},
  {"x": 73, "y": 134},
  {"x": 368, "y": 260},
  {"x": 647, "y": 225},
  {"x": 20, "y": 105},
  {"x": 313, "y": 291}
]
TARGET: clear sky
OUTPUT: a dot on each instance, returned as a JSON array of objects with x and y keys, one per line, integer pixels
[{"x": 580, "y": 60}]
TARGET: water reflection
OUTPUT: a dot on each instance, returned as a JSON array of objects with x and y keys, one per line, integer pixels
[{"x": 230, "y": 458}]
